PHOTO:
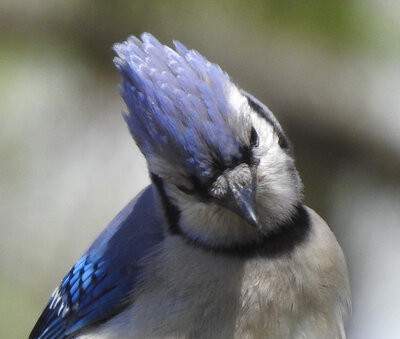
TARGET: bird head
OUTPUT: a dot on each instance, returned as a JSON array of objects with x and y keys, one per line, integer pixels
[{"x": 219, "y": 152}]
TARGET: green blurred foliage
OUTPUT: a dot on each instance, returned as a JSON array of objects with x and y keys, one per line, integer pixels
[{"x": 16, "y": 309}]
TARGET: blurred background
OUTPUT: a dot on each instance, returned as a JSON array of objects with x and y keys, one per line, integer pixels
[{"x": 330, "y": 70}]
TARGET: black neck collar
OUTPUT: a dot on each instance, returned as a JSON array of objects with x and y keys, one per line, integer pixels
[{"x": 280, "y": 241}]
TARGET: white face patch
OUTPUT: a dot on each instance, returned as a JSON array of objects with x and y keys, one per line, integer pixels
[
  {"x": 278, "y": 187},
  {"x": 242, "y": 123},
  {"x": 278, "y": 184},
  {"x": 278, "y": 191},
  {"x": 236, "y": 98}
]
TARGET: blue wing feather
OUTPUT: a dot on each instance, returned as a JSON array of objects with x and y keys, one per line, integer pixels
[{"x": 100, "y": 284}]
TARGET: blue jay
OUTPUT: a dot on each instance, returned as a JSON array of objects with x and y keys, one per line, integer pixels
[{"x": 220, "y": 245}]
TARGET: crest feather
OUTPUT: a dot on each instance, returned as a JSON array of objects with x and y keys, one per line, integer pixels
[{"x": 179, "y": 105}]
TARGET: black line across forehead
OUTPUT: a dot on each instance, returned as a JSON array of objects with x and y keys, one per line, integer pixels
[{"x": 266, "y": 114}]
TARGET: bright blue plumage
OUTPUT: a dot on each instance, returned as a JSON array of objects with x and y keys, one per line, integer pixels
[
  {"x": 99, "y": 285},
  {"x": 208, "y": 248},
  {"x": 178, "y": 105},
  {"x": 179, "y": 111}
]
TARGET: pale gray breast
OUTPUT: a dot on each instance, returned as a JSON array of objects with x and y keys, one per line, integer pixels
[{"x": 303, "y": 294}]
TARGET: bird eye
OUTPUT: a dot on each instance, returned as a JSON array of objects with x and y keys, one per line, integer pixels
[{"x": 253, "y": 137}]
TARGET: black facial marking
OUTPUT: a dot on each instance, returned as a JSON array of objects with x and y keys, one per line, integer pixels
[
  {"x": 186, "y": 190},
  {"x": 247, "y": 155},
  {"x": 172, "y": 212},
  {"x": 201, "y": 188},
  {"x": 280, "y": 242},
  {"x": 283, "y": 141}
]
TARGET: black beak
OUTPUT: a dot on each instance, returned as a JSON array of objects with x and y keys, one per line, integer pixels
[
  {"x": 244, "y": 202},
  {"x": 237, "y": 192}
]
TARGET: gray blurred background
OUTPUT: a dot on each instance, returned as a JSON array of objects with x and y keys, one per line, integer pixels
[{"x": 330, "y": 71}]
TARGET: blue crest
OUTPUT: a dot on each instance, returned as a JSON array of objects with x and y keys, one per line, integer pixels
[{"x": 178, "y": 105}]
